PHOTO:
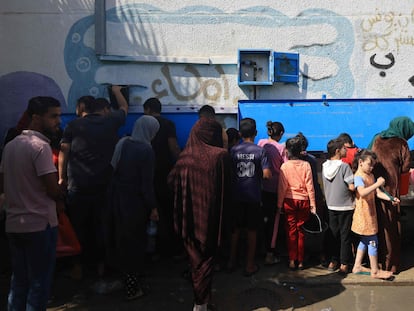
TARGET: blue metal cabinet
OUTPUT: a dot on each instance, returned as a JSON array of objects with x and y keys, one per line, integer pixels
[
  {"x": 255, "y": 67},
  {"x": 286, "y": 67}
]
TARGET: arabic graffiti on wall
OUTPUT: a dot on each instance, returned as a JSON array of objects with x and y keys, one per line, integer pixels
[
  {"x": 388, "y": 30},
  {"x": 325, "y": 65},
  {"x": 388, "y": 41},
  {"x": 211, "y": 89},
  {"x": 383, "y": 44}
]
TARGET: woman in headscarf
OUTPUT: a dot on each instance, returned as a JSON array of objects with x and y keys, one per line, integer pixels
[
  {"x": 393, "y": 159},
  {"x": 132, "y": 203},
  {"x": 200, "y": 181}
]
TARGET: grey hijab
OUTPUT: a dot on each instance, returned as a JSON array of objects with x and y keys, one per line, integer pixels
[{"x": 145, "y": 129}]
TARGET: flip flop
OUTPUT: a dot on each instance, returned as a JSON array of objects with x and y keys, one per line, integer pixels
[
  {"x": 250, "y": 273},
  {"x": 362, "y": 273},
  {"x": 391, "y": 278},
  {"x": 292, "y": 267}
]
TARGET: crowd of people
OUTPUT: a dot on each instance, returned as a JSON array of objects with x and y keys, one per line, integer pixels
[{"x": 221, "y": 187}]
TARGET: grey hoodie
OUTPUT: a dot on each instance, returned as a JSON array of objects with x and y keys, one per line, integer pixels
[
  {"x": 336, "y": 176},
  {"x": 330, "y": 168}
]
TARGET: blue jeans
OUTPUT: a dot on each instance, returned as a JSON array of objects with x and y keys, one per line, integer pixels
[{"x": 33, "y": 257}]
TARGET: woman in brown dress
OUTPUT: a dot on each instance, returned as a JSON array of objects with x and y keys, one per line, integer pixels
[
  {"x": 200, "y": 181},
  {"x": 393, "y": 159}
]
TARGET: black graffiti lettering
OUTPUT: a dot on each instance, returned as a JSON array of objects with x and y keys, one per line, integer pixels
[
  {"x": 390, "y": 56},
  {"x": 411, "y": 80}
]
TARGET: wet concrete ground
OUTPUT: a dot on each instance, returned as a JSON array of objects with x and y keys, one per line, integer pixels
[{"x": 273, "y": 287}]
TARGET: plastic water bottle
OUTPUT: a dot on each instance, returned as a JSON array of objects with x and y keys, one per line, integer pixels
[{"x": 151, "y": 236}]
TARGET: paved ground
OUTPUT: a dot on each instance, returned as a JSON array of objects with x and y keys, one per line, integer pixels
[{"x": 273, "y": 287}]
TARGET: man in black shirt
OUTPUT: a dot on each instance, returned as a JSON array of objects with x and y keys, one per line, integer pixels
[
  {"x": 87, "y": 147},
  {"x": 166, "y": 151}
]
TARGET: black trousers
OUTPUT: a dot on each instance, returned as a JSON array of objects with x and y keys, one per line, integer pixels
[{"x": 340, "y": 246}]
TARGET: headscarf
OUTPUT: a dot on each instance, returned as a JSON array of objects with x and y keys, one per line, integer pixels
[
  {"x": 145, "y": 129},
  {"x": 402, "y": 127},
  {"x": 199, "y": 182},
  {"x": 206, "y": 131}
]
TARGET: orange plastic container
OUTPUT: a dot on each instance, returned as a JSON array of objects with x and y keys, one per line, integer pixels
[{"x": 404, "y": 183}]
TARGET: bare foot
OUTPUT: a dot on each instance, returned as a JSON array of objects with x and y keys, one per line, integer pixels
[
  {"x": 361, "y": 270},
  {"x": 381, "y": 274}
]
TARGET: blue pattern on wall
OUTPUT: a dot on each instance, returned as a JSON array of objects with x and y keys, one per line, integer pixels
[{"x": 82, "y": 64}]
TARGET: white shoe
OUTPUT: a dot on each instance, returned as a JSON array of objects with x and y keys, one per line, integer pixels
[{"x": 200, "y": 307}]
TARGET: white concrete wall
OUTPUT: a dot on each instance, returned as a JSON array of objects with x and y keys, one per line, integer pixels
[{"x": 348, "y": 49}]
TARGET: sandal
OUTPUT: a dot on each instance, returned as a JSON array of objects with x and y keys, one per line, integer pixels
[
  {"x": 383, "y": 275},
  {"x": 136, "y": 294},
  {"x": 333, "y": 266},
  {"x": 343, "y": 269},
  {"x": 250, "y": 273},
  {"x": 292, "y": 266}
]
